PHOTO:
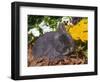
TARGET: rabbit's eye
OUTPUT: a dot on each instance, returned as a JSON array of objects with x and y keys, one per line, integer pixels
[{"x": 62, "y": 37}]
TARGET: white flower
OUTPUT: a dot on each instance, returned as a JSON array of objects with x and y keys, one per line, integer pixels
[
  {"x": 44, "y": 27},
  {"x": 42, "y": 24},
  {"x": 34, "y": 31},
  {"x": 67, "y": 20}
]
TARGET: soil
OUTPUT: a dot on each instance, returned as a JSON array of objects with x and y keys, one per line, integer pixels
[{"x": 72, "y": 59}]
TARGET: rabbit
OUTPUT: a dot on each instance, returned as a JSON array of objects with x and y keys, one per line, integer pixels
[{"x": 54, "y": 44}]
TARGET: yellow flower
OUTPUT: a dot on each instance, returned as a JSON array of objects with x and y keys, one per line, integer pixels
[
  {"x": 84, "y": 36},
  {"x": 80, "y": 30}
]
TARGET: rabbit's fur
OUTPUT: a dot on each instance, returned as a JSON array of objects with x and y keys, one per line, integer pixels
[{"x": 54, "y": 44}]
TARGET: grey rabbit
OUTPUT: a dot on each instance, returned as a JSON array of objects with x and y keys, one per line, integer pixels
[{"x": 54, "y": 44}]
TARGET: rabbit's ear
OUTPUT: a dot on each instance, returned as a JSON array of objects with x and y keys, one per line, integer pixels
[{"x": 61, "y": 27}]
